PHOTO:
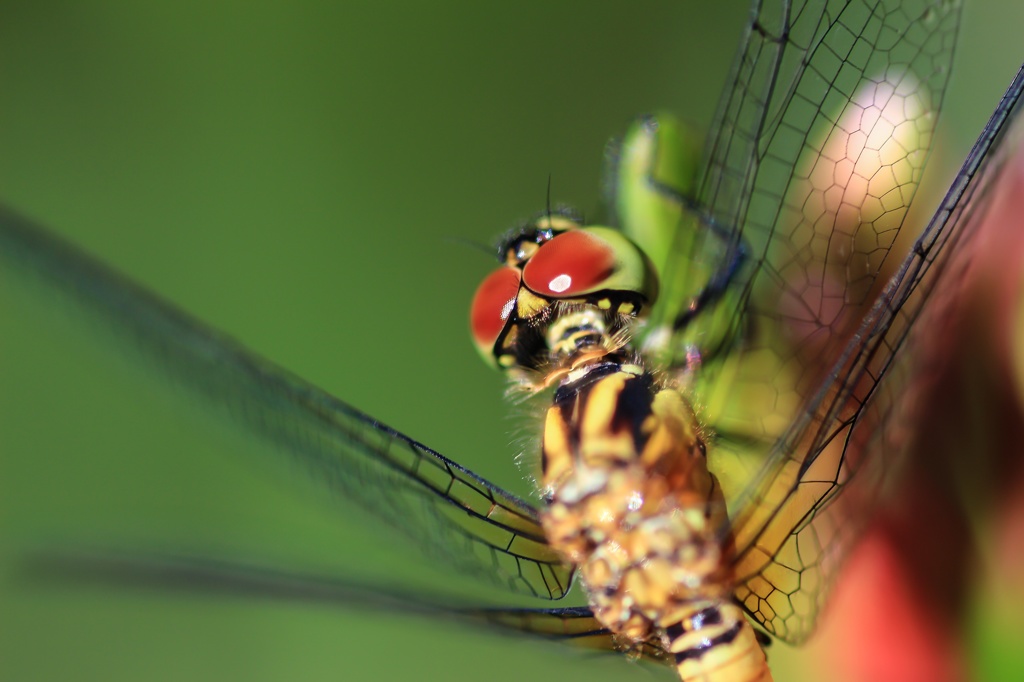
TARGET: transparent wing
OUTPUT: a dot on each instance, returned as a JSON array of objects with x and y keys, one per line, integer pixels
[
  {"x": 572, "y": 625},
  {"x": 453, "y": 513},
  {"x": 807, "y": 71},
  {"x": 795, "y": 527},
  {"x": 818, "y": 148}
]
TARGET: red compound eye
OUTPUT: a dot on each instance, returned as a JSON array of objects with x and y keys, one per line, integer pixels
[
  {"x": 494, "y": 301},
  {"x": 571, "y": 264}
]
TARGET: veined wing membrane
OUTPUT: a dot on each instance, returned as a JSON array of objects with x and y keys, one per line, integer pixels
[
  {"x": 830, "y": 111},
  {"x": 453, "y": 513},
  {"x": 575, "y": 626},
  {"x": 852, "y": 438},
  {"x": 816, "y": 153}
]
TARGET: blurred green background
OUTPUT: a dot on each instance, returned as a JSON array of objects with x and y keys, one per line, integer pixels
[{"x": 301, "y": 174}]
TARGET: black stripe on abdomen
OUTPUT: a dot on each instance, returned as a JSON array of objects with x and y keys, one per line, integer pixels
[{"x": 708, "y": 644}]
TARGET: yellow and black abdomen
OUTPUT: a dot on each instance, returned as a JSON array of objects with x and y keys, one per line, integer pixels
[
  {"x": 632, "y": 503},
  {"x": 716, "y": 643}
]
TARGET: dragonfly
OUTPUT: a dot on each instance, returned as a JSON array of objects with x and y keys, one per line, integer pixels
[{"x": 725, "y": 241}]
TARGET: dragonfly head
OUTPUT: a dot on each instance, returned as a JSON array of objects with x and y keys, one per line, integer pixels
[{"x": 554, "y": 267}]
